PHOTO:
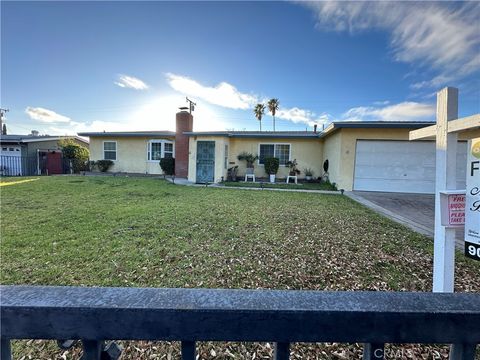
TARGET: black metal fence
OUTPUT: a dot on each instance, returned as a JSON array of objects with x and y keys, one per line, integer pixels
[
  {"x": 30, "y": 166},
  {"x": 94, "y": 315},
  {"x": 18, "y": 165}
]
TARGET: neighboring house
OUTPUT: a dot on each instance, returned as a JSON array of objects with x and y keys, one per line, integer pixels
[
  {"x": 33, "y": 154},
  {"x": 373, "y": 156}
]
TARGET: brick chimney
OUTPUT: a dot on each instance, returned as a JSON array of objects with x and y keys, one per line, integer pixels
[{"x": 184, "y": 122}]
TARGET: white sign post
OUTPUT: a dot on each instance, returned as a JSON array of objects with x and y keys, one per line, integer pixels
[
  {"x": 453, "y": 208},
  {"x": 446, "y": 178},
  {"x": 472, "y": 201}
]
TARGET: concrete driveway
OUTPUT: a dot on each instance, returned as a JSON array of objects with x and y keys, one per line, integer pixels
[{"x": 417, "y": 211}]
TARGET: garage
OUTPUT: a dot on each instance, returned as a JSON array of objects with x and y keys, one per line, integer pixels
[{"x": 401, "y": 166}]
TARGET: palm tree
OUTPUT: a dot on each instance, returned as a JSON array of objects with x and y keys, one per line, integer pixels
[
  {"x": 259, "y": 111},
  {"x": 273, "y": 107}
]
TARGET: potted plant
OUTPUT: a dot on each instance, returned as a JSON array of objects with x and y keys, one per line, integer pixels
[
  {"x": 250, "y": 159},
  {"x": 308, "y": 174},
  {"x": 293, "y": 168},
  {"x": 271, "y": 167}
]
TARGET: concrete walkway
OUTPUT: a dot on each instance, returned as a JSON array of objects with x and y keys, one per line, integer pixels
[{"x": 416, "y": 211}]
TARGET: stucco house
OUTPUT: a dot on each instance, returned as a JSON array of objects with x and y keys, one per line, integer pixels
[
  {"x": 372, "y": 156},
  {"x": 33, "y": 154}
]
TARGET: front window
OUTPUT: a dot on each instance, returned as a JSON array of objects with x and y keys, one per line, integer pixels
[
  {"x": 158, "y": 149},
  {"x": 110, "y": 150},
  {"x": 280, "y": 151},
  {"x": 168, "y": 150}
]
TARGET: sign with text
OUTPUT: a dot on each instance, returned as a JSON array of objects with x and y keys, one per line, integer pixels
[
  {"x": 453, "y": 208},
  {"x": 472, "y": 201}
]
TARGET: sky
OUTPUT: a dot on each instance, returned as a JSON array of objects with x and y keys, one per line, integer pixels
[{"x": 68, "y": 67}]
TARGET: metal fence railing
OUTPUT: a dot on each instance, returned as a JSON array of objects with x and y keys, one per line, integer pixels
[
  {"x": 18, "y": 165},
  {"x": 33, "y": 165},
  {"x": 94, "y": 315}
]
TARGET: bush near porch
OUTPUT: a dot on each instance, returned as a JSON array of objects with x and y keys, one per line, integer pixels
[{"x": 113, "y": 231}]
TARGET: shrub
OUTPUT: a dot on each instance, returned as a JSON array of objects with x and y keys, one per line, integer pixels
[
  {"x": 248, "y": 157},
  {"x": 309, "y": 172},
  {"x": 78, "y": 155},
  {"x": 293, "y": 167},
  {"x": 168, "y": 166},
  {"x": 271, "y": 165},
  {"x": 104, "y": 165}
]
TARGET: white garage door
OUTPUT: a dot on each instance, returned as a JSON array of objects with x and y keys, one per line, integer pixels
[
  {"x": 401, "y": 166},
  {"x": 10, "y": 160}
]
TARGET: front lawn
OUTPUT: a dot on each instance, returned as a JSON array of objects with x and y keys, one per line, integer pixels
[{"x": 118, "y": 231}]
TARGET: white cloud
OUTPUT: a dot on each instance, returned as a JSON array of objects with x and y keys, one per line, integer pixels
[
  {"x": 156, "y": 114},
  {"x": 384, "y": 102},
  {"x": 222, "y": 94},
  {"x": 301, "y": 116},
  {"x": 45, "y": 115},
  {"x": 405, "y": 111},
  {"x": 436, "y": 35},
  {"x": 227, "y": 96},
  {"x": 131, "y": 82}
]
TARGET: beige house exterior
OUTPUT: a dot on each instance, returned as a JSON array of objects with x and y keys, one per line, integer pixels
[
  {"x": 132, "y": 150},
  {"x": 307, "y": 151},
  {"x": 349, "y": 148}
]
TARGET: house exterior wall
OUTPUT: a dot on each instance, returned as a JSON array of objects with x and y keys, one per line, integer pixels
[
  {"x": 469, "y": 134},
  {"x": 346, "y": 155},
  {"x": 308, "y": 153},
  {"x": 220, "y": 169},
  {"x": 132, "y": 154},
  {"x": 32, "y": 147},
  {"x": 332, "y": 148}
]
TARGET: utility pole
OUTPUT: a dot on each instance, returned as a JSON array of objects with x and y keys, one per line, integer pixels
[
  {"x": 191, "y": 105},
  {"x": 3, "y": 127}
]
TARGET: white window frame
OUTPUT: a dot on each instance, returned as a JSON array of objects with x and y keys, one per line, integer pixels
[
  {"x": 116, "y": 149},
  {"x": 162, "y": 151},
  {"x": 274, "y": 146}
]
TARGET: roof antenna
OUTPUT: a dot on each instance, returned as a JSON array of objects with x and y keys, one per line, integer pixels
[{"x": 191, "y": 105}]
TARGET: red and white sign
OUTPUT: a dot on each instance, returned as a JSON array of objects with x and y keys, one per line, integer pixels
[
  {"x": 453, "y": 208},
  {"x": 456, "y": 210}
]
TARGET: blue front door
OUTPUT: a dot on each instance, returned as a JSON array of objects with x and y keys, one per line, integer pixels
[{"x": 205, "y": 161}]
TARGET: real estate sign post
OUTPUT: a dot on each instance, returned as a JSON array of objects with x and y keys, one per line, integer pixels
[
  {"x": 445, "y": 180},
  {"x": 472, "y": 201}
]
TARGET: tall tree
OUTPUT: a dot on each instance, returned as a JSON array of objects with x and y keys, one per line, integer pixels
[
  {"x": 4, "y": 129},
  {"x": 273, "y": 107},
  {"x": 259, "y": 111}
]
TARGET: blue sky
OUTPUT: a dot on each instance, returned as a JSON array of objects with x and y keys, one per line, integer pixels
[{"x": 68, "y": 67}]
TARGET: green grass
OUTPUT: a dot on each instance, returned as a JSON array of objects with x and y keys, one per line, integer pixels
[
  {"x": 279, "y": 185},
  {"x": 114, "y": 231},
  {"x": 117, "y": 231}
]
